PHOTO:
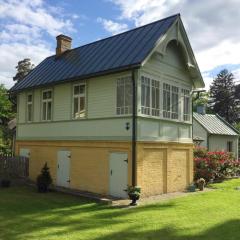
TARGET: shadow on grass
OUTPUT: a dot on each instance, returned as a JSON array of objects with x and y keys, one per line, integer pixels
[
  {"x": 25, "y": 214},
  {"x": 229, "y": 230}
]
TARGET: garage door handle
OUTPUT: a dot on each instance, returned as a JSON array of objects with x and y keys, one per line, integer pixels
[{"x": 111, "y": 172}]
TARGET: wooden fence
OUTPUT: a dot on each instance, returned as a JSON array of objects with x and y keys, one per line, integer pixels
[{"x": 14, "y": 167}]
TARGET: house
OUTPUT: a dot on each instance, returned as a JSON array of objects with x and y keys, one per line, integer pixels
[
  {"x": 114, "y": 112},
  {"x": 215, "y": 133}
]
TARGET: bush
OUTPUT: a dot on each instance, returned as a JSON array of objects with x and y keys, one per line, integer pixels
[
  {"x": 214, "y": 166},
  {"x": 44, "y": 179}
]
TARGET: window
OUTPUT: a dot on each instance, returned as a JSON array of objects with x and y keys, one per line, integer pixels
[
  {"x": 150, "y": 96},
  {"x": 230, "y": 146},
  {"x": 145, "y": 95},
  {"x": 29, "y": 107},
  {"x": 170, "y": 101},
  {"x": 155, "y": 98},
  {"x": 124, "y": 96},
  {"x": 47, "y": 105},
  {"x": 175, "y": 103},
  {"x": 79, "y": 100},
  {"x": 166, "y": 100},
  {"x": 186, "y": 104}
]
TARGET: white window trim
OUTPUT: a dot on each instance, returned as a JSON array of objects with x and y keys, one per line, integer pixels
[
  {"x": 46, "y": 101},
  {"x": 79, "y": 96},
  {"x": 151, "y": 109},
  {"x": 29, "y": 103},
  {"x": 182, "y": 105},
  {"x": 129, "y": 107}
]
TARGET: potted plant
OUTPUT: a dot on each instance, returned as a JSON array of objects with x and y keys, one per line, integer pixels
[
  {"x": 134, "y": 194},
  {"x": 5, "y": 181},
  {"x": 201, "y": 183},
  {"x": 192, "y": 188},
  {"x": 44, "y": 179}
]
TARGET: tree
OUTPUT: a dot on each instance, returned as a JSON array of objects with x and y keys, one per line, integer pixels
[
  {"x": 23, "y": 68},
  {"x": 6, "y": 107},
  {"x": 222, "y": 96}
]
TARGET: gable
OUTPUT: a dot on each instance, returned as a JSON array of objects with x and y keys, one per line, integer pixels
[{"x": 175, "y": 50}]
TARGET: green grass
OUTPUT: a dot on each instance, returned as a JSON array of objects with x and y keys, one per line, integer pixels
[{"x": 25, "y": 214}]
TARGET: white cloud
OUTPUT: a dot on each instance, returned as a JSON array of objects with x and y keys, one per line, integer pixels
[
  {"x": 211, "y": 25},
  {"x": 23, "y": 28},
  {"x": 113, "y": 27},
  {"x": 12, "y": 53},
  {"x": 33, "y": 13}
]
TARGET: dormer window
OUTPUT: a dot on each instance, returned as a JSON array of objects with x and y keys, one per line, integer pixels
[{"x": 79, "y": 100}]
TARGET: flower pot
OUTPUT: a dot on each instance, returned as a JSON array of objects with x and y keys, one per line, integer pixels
[
  {"x": 201, "y": 187},
  {"x": 5, "y": 183},
  {"x": 134, "y": 198},
  {"x": 42, "y": 188}
]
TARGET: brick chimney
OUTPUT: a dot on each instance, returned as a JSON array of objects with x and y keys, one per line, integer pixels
[{"x": 64, "y": 43}]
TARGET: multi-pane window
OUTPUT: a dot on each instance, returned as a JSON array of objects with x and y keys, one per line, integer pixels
[
  {"x": 155, "y": 98},
  {"x": 145, "y": 95},
  {"x": 29, "y": 107},
  {"x": 47, "y": 105},
  {"x": 170, "y": 101},
  {"x": 166, "y": 100},
  {"x": 175, "y": 102},
  {"x": 150, "y": 96},
  {"x": 79, "y": 100},
  {"x": 186, "y": 104},
  {"x": 124, "y": 96}
]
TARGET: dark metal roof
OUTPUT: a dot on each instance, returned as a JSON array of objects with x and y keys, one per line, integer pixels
[
  {"x": 214, "y": 124},
  {"x": 120, "y": 52}
]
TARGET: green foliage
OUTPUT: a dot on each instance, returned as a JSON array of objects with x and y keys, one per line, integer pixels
[
  {"x": 134, "y": 190},
  {"x": 222, "y": 94},
  {"x": 6, "y": 107},
  {"x": 44, "y": 179},
  {"x": 201, "y": 99},
  {"x": 23, "y": 68}
]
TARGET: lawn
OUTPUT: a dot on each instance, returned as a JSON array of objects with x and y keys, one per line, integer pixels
[{"x": 26, "y": 214}]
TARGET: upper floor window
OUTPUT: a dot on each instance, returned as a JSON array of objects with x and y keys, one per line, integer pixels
[
  {"x": 47, "y": 105},
  {"x": 124, "y": 96},
  {"x": 150, "y": 96},
  {"x": 170, "y": 101},
  {"x": 186, "y": 104},
  {"x": 29, "y": 107},
  {"x": 79, "y": 100}
]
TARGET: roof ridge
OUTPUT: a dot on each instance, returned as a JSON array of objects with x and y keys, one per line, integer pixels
[
  {"x": 130, "y": 30},
  {"x": 227, "y": 123}
]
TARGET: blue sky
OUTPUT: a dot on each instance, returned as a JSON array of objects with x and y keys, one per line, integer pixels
[{"x": 28, "y": 28}]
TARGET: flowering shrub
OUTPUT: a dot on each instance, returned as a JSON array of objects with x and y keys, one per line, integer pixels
[{"x": 214, "y": 166}]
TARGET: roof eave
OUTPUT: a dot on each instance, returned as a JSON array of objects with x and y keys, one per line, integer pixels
[{"x": 88, "y": 76}]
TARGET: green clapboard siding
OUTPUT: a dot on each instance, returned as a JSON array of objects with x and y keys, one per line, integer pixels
[
  {"x": 36, "y": 105},
  {"x": 76, "y": 129},
  {"x": 62, "y": 102},
  {"x": 22, "y": 107}
]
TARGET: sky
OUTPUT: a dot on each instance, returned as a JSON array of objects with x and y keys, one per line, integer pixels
[{"x": 28, "y": 28}]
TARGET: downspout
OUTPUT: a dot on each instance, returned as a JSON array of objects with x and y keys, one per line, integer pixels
[{"x": 134, "y": 132}]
